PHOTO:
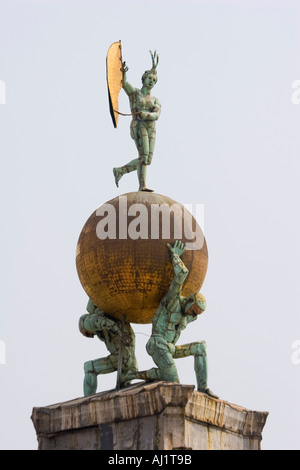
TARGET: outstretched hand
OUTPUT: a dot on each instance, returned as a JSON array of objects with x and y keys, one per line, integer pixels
[{"x": 177, "y": 249}]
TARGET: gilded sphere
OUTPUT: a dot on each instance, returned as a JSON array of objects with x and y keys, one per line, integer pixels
[{"x": 122, "y": 258}]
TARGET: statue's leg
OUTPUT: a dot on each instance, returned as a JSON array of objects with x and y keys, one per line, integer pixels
[
  {"x": 144, "y": 148},
  {"x": 168, "y": 374},
  {"x": 152, "y": 136},
  {"x": 198, "y": 350},
  {"x": 122, "y": 170},
  {"x": 133, "y": 165},
  {"x": 146, "y": 154},
  {"x": 158, "y": 348},
  {"x": 129, "y": 368},
  {"x": 150, "y": 374},
  {"x": 92, "y": 369},
  {"x": 161, "y": 354},
  {"x": 142, "y": 173}
]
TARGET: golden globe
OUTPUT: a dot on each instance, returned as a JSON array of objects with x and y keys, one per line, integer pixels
[{"x": 122, "y": 259}]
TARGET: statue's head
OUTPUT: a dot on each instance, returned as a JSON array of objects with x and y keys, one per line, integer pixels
[
  {"x": 82, "y": 328},
  {"x": 149, "y": 77},
  {"x": 91, "y": 307},
  {"x": 194, "y": 304}
]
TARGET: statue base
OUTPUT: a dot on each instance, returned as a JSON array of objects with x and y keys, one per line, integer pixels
[{"x": 148, "y": 416}]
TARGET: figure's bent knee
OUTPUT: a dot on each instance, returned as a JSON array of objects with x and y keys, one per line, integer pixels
[
  {"x": 88, "y": 367},
  {"x": 199, "y": 349},
  {"x": 169, "y": 374},
  {"x": 145, "y": 159}
]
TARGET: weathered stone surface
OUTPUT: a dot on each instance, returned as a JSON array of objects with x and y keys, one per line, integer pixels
[{"x": 156, "y": 416}]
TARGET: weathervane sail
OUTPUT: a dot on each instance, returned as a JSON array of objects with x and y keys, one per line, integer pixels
[{"x": 114, "y": 76}]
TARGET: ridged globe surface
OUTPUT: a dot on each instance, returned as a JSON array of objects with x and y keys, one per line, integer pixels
[{"x": 128, "y": 275}]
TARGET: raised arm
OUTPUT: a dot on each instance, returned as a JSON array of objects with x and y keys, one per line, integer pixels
[
  {"x": 181, "y": 273},
  {"x": 180, "y": 269},
  {"x": 129, "y": 89}
]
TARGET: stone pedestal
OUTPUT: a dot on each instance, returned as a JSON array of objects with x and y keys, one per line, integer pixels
[{"x": 148, "y": 416}]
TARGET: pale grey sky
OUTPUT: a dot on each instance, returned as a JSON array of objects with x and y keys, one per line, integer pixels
[{"x": 228, "y": 137}]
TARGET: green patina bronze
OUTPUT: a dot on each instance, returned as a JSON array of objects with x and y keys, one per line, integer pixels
[
  {"x": 116, "y": 337},
  {"x": 175, "y": 311},
  {"x": 145, "y": 110},
  {"x": 173, "y": 315}
]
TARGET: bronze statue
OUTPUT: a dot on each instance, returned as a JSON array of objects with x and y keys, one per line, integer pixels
[
  {"x": 174, "y": 311},
  {"x": 173, "y": 315},
  {"x": 109, "y": 330},
  {"x": 145, "y": 110}
]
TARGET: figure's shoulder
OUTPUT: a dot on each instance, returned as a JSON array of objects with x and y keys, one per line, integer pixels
[{"x": 130, "y": 90}]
